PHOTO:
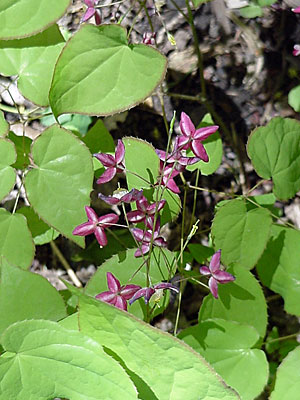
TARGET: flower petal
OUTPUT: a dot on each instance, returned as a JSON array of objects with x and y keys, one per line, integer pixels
[
  {"x": 133, "y": 195},
  {"x": 148, "y": 294},
  {"x": 92, "y": 216},
  {"x": 108, "y": 220},
  {"x": 214, "y": 264},
  {"x": 204, "y": 133},
  {"x": 135, "y": 216},
  {"x": 140, "y": 293},
  {"x": 89, "y": 3},
  {"x": 199, "y": 150},
  {"x": 296, "y": 10},
  {"x": 166, "y": 285},
  {"x": 128, "y": 291},
  {"x": 121, "y": 303},
  {"x": 107, "y": 296},
  {"x": 113, "y": 283},
  {"x": 97, "y": 17},
  {"x": 172, "y": 186},
  {"x": 223, "y": 277},
  {"x": 88, "y": 14},
  {"x": 106, "y": 159},
  {"x": 84, "y": 229},
  {"x": 109, "y": 199},
  {"x": 144, "y": 250},
  {"x": 107, "y": 175},
  {"x": 100, "y": 236},
  {"x": 120, "y": 152},
  {"x": 213, "y": 287},
  {"x": 186, "y": 126},
  {"x": 204, "y": 270}
]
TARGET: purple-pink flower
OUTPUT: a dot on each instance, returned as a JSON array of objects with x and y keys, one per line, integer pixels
[
  {"x": 296, "y": 10},
  {"x": 148, "y": 292},
  {"x": 149, "y": 38},
  {"x": 167, "y": 175},
  {"x": 192, "y": 138},
  {"x": 96, "y": 225},
  {"x": 122, "y": 196},
  {"x": 91, "y": 11},
  {"x": 296, "y": 50},
  {"x": 117, "y": 295},
  {"x": 145, "y": 236},
  {"x": 217, "y": 275},
  {"x": 145, "y": 210},
  {"x": 113, "y": 164}
]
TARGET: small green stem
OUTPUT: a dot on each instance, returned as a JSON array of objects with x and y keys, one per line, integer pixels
[{"x": 280, "y": 339}]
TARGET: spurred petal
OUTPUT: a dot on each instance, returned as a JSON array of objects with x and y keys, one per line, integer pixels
[
  {"x": 97, "y": 17},
  {"x": 213, "y": 286},
  {"x": 108, "y": 220},
  {"x": 84, "y": 229},
  {"x": 160, "y": 205},
  {"x": 144, "y": 250},
  {"x": 133, "y": 195},
  {"x": 128, "y": 291},
  {"x": 120, "y": 152},
  {"x": 204, "y": 270},
  {"x": 100, "y": 236},
  {"x": 182, "y": 143},
  {"x": 204, "y": 133},
  {"x": 138, "y": 233},
  {"x": 113, "y": 283},
  {"x": 92, "y": 216},
  {"x": 142, "y": 204},
  {"x": 148, "y": 294},
  {"x": 88, "y": 14},
  {"x": 120, "y": 303},
  {"x": 223, "y": 277},
  {"x": 107, "y": 296},
  {"x": 165, "y": 285},
  {"x": 109, "y": 199},
  {"x": 215, "y": 262},
  {"x": 137, "y": 295},
  {"x": 106, "y": 159},
  {"x": 160, "y": 242},
  {"x": 186, "y": 126},
  {"x": 89, "y": 3},
  {"x": 172, "y": 186},
  {"x": 199, "y": 150},
  {"x": 107, "y": 175},
  {"x": 135, "y": 216}
]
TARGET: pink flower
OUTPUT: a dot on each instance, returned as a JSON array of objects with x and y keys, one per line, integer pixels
[
  {"x": 145, "y": 238},
  {"x": 122, "y": 196},
  {"x": 149, "y": 38},
  {"x": 296, "y": 10},
  {"x": 113, "y": 164},
  {"x": 117, "y": 295},
  {"x": 148, "y": 292},
  {"x": 167, "y": 175},
  {"x": 91, "y": 11},
  {"x": 296, "y": 51},
  {"x": 192, "y": 138},
  {"x": 217, "y": 275},
  {"x": 96, "y": 225},
  {"x": 145, "y": 210}
]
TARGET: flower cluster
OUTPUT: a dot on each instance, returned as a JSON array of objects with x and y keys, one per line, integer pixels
[{"x": 296, "y": 49}]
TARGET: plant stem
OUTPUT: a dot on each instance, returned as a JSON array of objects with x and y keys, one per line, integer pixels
[
  {"x": 280, "y": 339},
  {"x": 65, "y": 264}
]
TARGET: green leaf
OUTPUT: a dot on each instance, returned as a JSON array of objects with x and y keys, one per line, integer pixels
[
  {"x": 33, "y": 60},
  {"x": 278, "y": 267},
  {"x": 25, "y": 295},
  {"x": 200, "y": 253},
  {"x": 22, "y": 18},
  {"x": 199, "y": 2},
  {"x": 40, "y": 231},
  {"x": 242, "y": 301},
  {"x": 274, "y": 151},
  {"x": 213, "y": 147},
  {"x": 73, "y": 122},
  {"x": 234, "y": 230},
  {"x": 4, "y": 126},
  {"x": 7, "y": 173},
  {"x": 265, "y": 3},
  {"x": 251, "y": 11},
  {"x": 294, "y": 98},
  {"x": 22, "y": 145},
  {"x": 125, "y": 266},
  {"x": 98, "y": 139},
  {"x": 44, "y": 360},
  {"x": 228, "y": 347},
  {"x": 59, "y": 186},
  {"x": 17, "y": 247},
  {"x": 287, "y": 384},
  {"x": 164, "y": 365},
  {"x": 98, "y": 73}
]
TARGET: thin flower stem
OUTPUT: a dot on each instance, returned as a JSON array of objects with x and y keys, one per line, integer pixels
[
  {"x": 255, "y": 186},
  {"x": 194, "y": 199},
  {"x": 117, "y": 238},
  {"x": 180, "y": 10},
  {"x": 18, "y": 194},
  {"x": 200, "y": 283},
  {"x": 110, "y": 4},
  {"x": 65, "y": 264},
  {"x": 139, "y": 176},
  {"x": 178, "y": 308},
  {"x": 280, "y": 339},
  {"x": 136, "y": 17}
]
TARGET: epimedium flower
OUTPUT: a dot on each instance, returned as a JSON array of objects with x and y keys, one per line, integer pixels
[
  {"x": 192, "y": 138},
  {"x": 145, "y": 236},
  {"x": 96, "y": 225},
  {"x": 296, "y": 10},
  {"x": 296, "y": 50},
  {"x": 217, "y": 275},
  {"x": 122, "y": 196},
  {"x": 113, "y": 164},
  {"x": 149, "y": 38},
  {"x": 117, "y": 295},
  {"x": 145, "y": 210},
  {"x": 91, "y": 11},
  {"x": 177, "y": 157},
  {"x": 166, "y": 176},
  {"x": 148, "y": 292}
]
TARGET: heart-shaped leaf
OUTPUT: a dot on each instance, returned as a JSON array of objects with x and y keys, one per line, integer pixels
[
  {"x": 274, "y": 151},
  {"x": 99, "y": 73},
  {"x": 33, "y": 60},
  {"x": 4, "y": 127},
  {"x": 44, "y": 360},
  {"x": 7, "y": 173},
  {"x": 294, "y": 98},
  {"x": 17, "y": 247},
  {"x": 278, "y": 268},
  {"x": 22, "y": 18},
  {"x": 228, "y": 347},
  {"x": 165, "y": 366},
  {"x": 131, "y": 270},
  {"x": 59, "y": 186},
  {"x": 287, "y": 383},
  {"x": 234, "y": 230},
  {"x": 25, "y": 295},
  {"x": 242, "y": 301},
  {"x": 22, "y": 145}
]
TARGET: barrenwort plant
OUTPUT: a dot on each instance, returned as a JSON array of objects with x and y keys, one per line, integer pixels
[{"x": 188, "y": 269}]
